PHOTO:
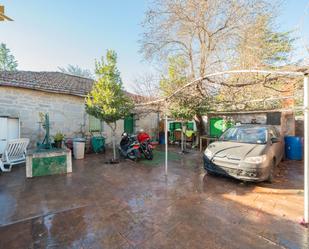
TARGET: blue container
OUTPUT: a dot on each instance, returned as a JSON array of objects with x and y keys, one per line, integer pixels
[
  {"x": 161, "y": 138},
  {"x": 293, "y": 148}
]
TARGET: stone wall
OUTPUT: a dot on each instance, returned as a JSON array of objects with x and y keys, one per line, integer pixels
[{"x": 66, "y": 113}]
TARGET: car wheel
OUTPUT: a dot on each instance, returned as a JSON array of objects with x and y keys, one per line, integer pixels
[
  {"x": 211, "y": 173},
  {"x": 272, "y": 171}
]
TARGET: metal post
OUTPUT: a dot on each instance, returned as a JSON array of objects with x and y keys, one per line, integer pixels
[
  {"x": 182, "y": 148},
  {"x": 306, "y": 149},
  {"x": 166, "y": 144}
]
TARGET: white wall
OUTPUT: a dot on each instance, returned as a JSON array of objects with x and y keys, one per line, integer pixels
[{"x": 148, "y": 122}]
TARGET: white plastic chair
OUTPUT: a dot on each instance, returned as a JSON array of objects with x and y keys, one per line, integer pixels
[{"x": 14, "y": 153}]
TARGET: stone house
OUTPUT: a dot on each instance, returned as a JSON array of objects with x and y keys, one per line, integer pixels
[{"x": 25, "y": 94}]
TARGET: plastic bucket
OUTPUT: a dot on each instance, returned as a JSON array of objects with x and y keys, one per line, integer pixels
[
  {"x": 293, "y": 148},
  {"x": 79, "y": 148}
]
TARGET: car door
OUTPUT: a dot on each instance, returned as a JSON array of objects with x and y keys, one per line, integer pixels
[{"x": 278, "y": 146}]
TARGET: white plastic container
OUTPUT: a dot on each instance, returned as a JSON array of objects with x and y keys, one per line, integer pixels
[{"x": 79, "y": 148}]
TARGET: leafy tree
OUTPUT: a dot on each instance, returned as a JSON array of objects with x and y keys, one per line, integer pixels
[
  {"x": 7, "y": 60},
  {"x": 203, "y": 32},
  {"x": 260, "y": 48},
  {"x": 77, "y": 71},
  {"x": 107, "y": 101},
  {"x": 185, "y": 105}
]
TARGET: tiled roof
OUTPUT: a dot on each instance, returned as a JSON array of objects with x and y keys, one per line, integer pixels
[{"x": 47, "y": 81}]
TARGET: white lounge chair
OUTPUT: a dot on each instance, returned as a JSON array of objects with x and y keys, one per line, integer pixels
[{"x": 14, "y": 153}]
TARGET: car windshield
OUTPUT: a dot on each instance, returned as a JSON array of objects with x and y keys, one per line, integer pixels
[{"x": 253, "y": 135}]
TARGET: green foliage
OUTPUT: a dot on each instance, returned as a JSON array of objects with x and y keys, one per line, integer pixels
[
  {"x": 280, "y": 45},
  {"x": 176, "y": 75},
  {"x": 77, "y": 71},
  {"x": 58, "y": 137},
  {"x": 182, "y": 110},
  {"x": 186, "y": 104},
  {"x": 7, "y": 60},
  {"x": 107, "y": 100},
  {"x": 263, "y": 46}
]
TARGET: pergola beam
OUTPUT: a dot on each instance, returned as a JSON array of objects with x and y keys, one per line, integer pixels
[
  {"x": 306, "y": 148},
  {"x": 304, "y": 73},
  {"x": 283, "y": 73}
]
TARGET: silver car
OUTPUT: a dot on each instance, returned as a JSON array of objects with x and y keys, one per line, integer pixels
[{"x": 246, "y": 152}]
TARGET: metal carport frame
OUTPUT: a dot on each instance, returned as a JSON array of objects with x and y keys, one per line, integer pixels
[{"x": 305, "y": 76}]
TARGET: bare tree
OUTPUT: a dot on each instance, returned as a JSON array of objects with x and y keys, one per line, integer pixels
[
  {"x": 204, "y": 32},
  {"x": 260, "y": 48},
  {"x": 201, "y": 31},
  {"x": 77, "y": 71},
  {"x": 147, "y": 85}
]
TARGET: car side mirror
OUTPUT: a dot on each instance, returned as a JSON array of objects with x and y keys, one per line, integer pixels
[{"x": 274, "y": 140}]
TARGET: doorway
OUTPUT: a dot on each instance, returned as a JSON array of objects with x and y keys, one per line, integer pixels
[
  {"x": 9, "y": 129},
  {"x": 129, "y": 124}
]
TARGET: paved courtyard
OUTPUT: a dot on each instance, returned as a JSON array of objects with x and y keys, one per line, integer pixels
[{"x": 133, "y": 205}]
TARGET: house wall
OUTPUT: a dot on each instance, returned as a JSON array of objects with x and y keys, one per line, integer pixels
[
  {"x": 148, "y": 122},
  {"x": 66, "y": 114}
]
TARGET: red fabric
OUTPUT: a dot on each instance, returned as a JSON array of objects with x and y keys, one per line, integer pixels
[{"x": 143, "y": 136}]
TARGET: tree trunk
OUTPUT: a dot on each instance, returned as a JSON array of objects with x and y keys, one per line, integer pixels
[
  {"x": 113, "y": 128},
  {"x": 182, "y": 137},
  {"x": 114, "y": 144},
  {"x": 199, "y": 125}
]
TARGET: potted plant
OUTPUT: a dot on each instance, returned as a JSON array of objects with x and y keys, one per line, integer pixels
[{"x": 58, "y": 138}]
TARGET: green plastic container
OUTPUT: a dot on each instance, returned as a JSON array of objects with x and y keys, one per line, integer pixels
[
  {"x": 172, "y": 127},
  {"x": 190, "y": 126},
  {"x": 98, "y": 144},
  {"x": 216, "y": 126},
  {"x": 177, "y": 125}
]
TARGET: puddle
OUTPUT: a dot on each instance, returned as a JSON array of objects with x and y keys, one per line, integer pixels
[
  {"x": 139, "y": 201},
  {"x": 288, "y": 244},
  {"x": 7, "y": 204}
]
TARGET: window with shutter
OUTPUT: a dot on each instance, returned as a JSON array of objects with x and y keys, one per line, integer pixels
[{"x": 95, "y": 124}]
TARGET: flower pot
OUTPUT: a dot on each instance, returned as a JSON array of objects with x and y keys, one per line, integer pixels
[{"x": 58, "y": 144}]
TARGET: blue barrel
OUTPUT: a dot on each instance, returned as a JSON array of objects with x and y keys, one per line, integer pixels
[
  {"x": 293, "y": 148},
  {"x": 161, "y": 138}
]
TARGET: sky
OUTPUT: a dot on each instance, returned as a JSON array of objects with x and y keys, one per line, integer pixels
[{"x": 46, "y": 34}]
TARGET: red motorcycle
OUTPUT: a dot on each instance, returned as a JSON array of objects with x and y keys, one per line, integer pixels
[{"x": 146, "y": 147}]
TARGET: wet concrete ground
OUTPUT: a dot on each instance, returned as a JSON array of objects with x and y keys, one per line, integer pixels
[{"x": 132, "y": 205}]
